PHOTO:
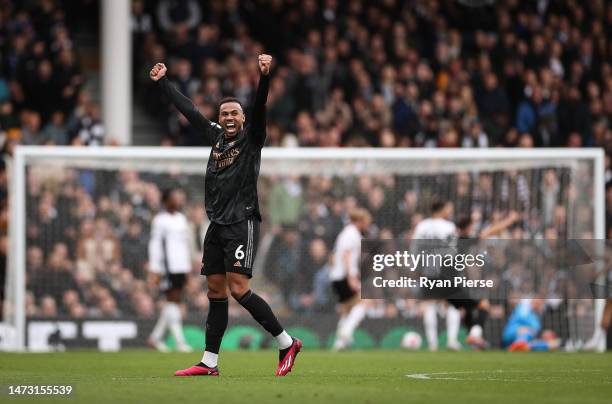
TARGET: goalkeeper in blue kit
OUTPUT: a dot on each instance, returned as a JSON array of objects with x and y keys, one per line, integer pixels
[{"x": 524, "y": 326}]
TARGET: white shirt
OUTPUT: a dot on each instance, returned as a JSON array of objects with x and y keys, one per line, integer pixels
[
  {"x": 435, "y": 229},
  {"x": 432, "y": 229},
  {"x": 169, "y": 245},
  {"x": 349, "y": 240}
]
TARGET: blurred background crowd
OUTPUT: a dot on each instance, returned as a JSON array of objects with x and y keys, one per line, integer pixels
[
  {"x": 389, "y": 73},
  {"x": 88, "y": 231}
]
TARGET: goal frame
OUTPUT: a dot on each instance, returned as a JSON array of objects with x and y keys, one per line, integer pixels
[{"x": 17, "y": 231}]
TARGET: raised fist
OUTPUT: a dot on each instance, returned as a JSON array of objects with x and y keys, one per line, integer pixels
[
  {"x": 264, "y": 63},
  {"x": 158, "y": 71}
]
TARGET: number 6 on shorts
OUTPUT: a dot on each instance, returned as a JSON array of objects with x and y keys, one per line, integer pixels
[{"x": 239, "y": 254}]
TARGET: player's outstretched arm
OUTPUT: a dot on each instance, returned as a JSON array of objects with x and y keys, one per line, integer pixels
[
  {"x": 259, "y": 108},
  {"x": 182, "y": 103},
  {"x": 495, "y": 228}
]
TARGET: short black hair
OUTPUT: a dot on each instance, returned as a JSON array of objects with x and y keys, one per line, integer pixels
[
  {"x": 167, "y": 193},
  {"x": 464, "y": 222},
  {"x": 437, "y": 205},
  {"x": 225, "y": 100}
]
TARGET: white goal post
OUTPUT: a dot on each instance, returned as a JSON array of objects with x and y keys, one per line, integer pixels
[{"x": 278, "y": 161}]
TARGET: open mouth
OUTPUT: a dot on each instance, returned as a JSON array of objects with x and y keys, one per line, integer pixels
[{"x": 230, "y": 127}]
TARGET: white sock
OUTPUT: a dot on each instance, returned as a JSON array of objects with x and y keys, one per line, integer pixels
[
  {"x": 284, "y": 340},
  {"x": 339, "y": 343},
  {"x": 210, "y": 359},
  {"x": 341, "y": 321},
  {"x": 476, "y": 331},
  {"x": 453, "y": 322},
  {"x": 599, "y": 333},
  {"x": 352, "y": 321},
  {"x": 161, "y": 324},
  {"x": 175, "y": 323},
  {"x": 430, "y": 320}
]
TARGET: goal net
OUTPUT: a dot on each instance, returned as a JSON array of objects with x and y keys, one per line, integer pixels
[{"x": 80, "y": 221}]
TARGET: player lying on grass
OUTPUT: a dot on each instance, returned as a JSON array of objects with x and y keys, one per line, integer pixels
[
  {"x": 233, "y": 209},
  {"x": 521, "y": 332}
]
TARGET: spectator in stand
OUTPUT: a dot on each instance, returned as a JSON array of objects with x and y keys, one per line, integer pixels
[
  {"x": 55, "y": 132},
  {"x": 31, "y": 133},
  {"x": 173, "y": 13},
  {"x": 134, "y": 240},
  {"x": 48, "y": 307},
  {"x": 90, "y": 129}
]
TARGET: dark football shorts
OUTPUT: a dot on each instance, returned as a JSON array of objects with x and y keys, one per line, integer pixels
[
  {"x": 343, "y": 290},
  {"x": 230, "y": 248},
  {"x": 172, "y": 281},
  {"x": 467, "y": 304}
]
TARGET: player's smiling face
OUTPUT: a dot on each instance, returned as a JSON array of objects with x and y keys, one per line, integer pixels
[{"x": 231, "y": 118}]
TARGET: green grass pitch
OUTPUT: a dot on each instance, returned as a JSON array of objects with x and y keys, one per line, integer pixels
[{"x": 318, "y": 377}]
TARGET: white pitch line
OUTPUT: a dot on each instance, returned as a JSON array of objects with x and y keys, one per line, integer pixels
[
  {"x": 441, "y": 376},
  {"x": 428, "y": 376}
]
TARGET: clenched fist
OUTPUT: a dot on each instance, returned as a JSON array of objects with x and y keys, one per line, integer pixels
[
  {"x": 264, "y": 63},
  {"x": 158, "y": 71}
]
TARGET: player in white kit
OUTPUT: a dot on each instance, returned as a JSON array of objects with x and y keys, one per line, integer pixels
[
  {"x": 344, "y": 275},
  {"x": 169, "y": 263},
  {"x": 439, "y": 227}
]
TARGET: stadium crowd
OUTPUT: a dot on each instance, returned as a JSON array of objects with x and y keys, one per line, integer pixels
[
  {"x": 42, "y": 97},
  {"x": 357, "y": 73},
  {"x": 391, "y": 73},
  {"x": 42, "y": 100}
]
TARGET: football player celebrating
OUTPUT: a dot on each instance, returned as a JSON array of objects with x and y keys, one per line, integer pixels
[{"x": 233, "y": 208}]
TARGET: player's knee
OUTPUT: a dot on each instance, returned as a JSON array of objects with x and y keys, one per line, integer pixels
[
  {"x": 484, "y": 305},
  {"x": 217, "y": 287},
  {"x": 216, "y": 294},
  {"x": 174, "y": 295},
  {"x": 217, "y": 291},
  {"x": 238, "y": 290},
  {"x": 522, "y": 331},
  {"x": 238, "y": 285}
]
